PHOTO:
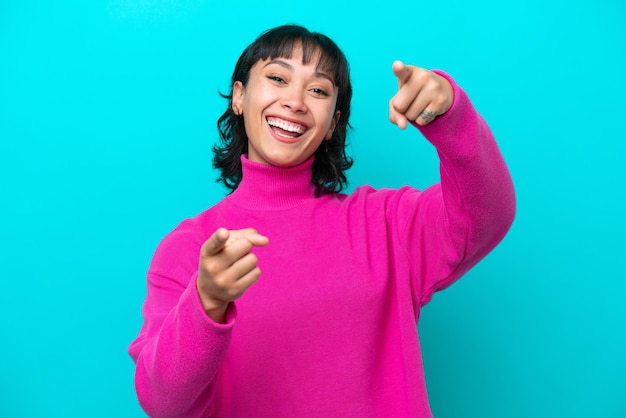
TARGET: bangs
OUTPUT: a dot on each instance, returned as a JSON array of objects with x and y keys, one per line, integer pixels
[
  {"x": 281, "y": 44},
  {"x": 310, "y": 51}
]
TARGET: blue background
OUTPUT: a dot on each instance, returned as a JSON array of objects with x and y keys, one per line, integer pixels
[{"x": 107, "y": 116}]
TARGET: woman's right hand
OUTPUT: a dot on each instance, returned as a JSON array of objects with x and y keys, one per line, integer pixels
[{"x": 227, "y": 268}]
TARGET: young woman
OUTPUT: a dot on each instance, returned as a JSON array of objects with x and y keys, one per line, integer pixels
[{"x": 289, "y": 298}]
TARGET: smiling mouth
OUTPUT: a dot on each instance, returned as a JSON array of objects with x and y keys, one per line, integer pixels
[{"x": 285, "y": 128}]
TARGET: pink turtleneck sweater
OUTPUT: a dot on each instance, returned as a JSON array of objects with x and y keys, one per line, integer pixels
[{"x": 330, "y": 328}]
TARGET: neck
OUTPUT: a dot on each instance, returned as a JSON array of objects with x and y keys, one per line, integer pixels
[{"x": 266, "y": 187}]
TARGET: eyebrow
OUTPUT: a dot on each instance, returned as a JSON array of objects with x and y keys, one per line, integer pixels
[{"x": 289, "y": 67}]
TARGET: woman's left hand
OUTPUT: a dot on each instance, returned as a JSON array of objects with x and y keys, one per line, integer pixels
[{"x": 422, "y": 95}]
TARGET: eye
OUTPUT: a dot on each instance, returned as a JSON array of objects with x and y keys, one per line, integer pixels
[
  {"x": 276, "y": 78},
  {"x": 319, "y": 92}
]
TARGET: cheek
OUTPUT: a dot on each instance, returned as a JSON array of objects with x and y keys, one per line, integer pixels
[
  {"x": 330, "y": 119},
  {"x": 255, "y": 102},
  {"x": 250, "y": 126}
]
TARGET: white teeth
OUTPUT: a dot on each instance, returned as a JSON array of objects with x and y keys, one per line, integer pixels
[{"x": 285, "y": 125}]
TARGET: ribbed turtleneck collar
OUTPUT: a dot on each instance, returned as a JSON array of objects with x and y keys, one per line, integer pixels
[{"x": 265, "y": 187}]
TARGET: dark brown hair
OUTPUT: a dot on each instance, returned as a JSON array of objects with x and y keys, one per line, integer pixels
[{"x": 331, "y": 160}]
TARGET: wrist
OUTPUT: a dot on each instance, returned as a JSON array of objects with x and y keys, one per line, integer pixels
[{"x": 215, "y": 309}]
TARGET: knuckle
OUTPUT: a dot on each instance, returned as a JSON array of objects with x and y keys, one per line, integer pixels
[
  {"x": 220, "y": 283},
  {"x": 233, "y": 293},
  {"x": 212, "y": 268},
  {"x": 431, "y": 86},
  {"x": 242, "y": 248},
  {"x": 422, "y": 75},
  {"x": 255, "y": 273}
]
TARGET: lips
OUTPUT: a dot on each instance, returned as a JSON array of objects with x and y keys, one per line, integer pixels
[{"x": 285, "y": 128}]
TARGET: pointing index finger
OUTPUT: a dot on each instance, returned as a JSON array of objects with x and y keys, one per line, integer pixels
[
  {"x": 401, "y": 71},
  {"x": 216, "y": 242}
]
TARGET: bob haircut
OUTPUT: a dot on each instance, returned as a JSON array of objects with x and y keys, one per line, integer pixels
[{"x": 330, "y": 161}]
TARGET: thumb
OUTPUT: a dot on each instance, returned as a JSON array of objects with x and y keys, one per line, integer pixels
[
  {"x": 257, "y": 239},
  {"x": 216, "y": 242},
  {"x": 401, "y": 71}
]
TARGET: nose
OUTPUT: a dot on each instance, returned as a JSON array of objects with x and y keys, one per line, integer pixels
[{"x": 293, "y": 99}]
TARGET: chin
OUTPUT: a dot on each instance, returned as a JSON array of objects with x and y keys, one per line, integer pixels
[
  {"x": 282, "y": 160},
  {"x": 285, "y": 163}
]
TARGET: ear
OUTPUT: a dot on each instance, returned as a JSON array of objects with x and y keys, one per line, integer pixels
[
  {"x": 333, "y": 124},
  {"x": 237, "y": 100}
]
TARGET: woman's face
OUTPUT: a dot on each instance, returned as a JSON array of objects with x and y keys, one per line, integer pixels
[{"x": 288, "y": 109}]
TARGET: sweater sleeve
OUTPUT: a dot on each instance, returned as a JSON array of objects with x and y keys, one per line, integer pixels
[
  {"x": 458, "y": 221},
  {"x": 179, "y": 349}
]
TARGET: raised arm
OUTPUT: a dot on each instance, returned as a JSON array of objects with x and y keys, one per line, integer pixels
[{"x": 463, "y": 217}]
